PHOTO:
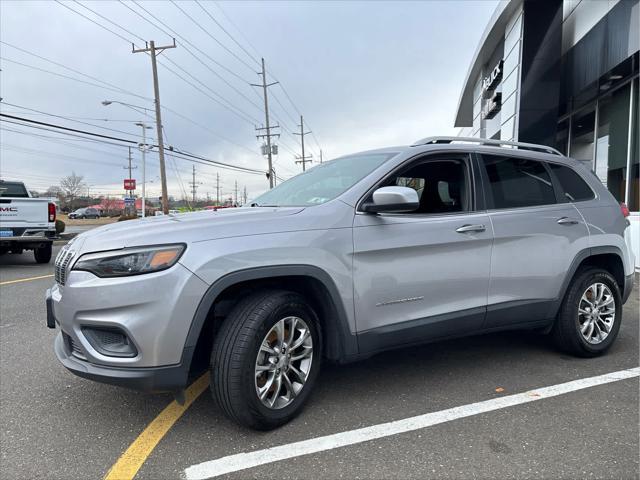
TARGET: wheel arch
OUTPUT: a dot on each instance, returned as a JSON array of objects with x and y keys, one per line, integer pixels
[
  {"x": 313, "y": 282},
  {"x": 609, "y": 258}
]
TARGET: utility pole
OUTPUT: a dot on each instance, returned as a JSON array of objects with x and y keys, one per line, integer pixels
[
  {"x": 218, "y": 189},
  {"x": 143, "y": 149},
  {"x": 130, "y": 168},
  {"x": 235, "y": 194},
  {"x": 194, "y": 185},
  {"x": 151, "y": 47},
  {"x": 244, "y": 196},
  {"x": 303, "y": 159},
  {"x": 320, "y": 155},
  {"x": 268, "y": 126}
]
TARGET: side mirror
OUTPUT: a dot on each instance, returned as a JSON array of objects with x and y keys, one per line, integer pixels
[{"x": 392, "y": 199}]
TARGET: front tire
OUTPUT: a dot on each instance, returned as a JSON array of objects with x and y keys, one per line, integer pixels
[
  {"x": 590, "y": 315},
  {"x": 266, "y": 358},
  {"x": 43, "y": 254}
]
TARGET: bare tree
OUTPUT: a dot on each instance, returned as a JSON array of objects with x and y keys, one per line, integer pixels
[{"x": 71, "y": 186}]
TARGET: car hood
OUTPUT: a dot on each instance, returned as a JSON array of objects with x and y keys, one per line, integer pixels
[{"x": 183, "y": 228}]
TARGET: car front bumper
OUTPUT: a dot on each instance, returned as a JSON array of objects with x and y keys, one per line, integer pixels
[
  {"x": 154, "y": 312},
  {"x": 151, "y": 380}
]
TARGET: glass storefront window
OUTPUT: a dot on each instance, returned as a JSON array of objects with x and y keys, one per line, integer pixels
[
  {"x": 562, "y": 137},
  {"x": 582, "y": 134},
  {"x": 612, "y": 141}
]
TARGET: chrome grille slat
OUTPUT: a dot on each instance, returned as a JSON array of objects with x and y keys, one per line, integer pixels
[{"x": 61, "y": 266}]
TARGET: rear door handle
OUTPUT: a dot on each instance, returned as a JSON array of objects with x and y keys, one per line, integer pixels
[
  {"x": 470, "y": 228},
  {"x": 567, "y": 221}
]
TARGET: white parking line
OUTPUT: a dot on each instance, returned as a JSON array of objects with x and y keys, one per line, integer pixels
[{"x": 242, "y": 461}]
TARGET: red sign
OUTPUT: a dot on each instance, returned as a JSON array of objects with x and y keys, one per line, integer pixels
[{"x": 129, "y": 183}]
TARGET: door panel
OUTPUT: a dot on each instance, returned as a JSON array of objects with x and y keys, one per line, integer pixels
[
  {"x": 532, "y": 252},
  {"x": 418, "y": 271}
]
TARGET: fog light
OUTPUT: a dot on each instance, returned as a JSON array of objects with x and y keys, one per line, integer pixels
[{"x": 111, "y": 342}]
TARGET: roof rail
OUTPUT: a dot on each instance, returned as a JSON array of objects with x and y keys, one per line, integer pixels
[{"x": 487, "y": 141}]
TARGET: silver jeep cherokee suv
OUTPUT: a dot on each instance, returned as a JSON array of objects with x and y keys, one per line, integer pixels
[{"x": 378, "y": 250}]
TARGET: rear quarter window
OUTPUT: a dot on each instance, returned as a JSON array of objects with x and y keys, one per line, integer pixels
[{"x": 575, "y": 188}]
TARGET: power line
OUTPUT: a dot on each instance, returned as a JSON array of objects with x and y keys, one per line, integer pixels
[
  {"x": 129, "y": 32},
  {"x": 230, "y": 85},
  {"x": 29, "y": 120},
  {"x": 295, "y": 108},
  {"x": 111, "y": 85},
  {"x": 212, "y": 37},
  {"x": 179, "y": 153},
  {"x": 92, "y": 21},
  {"x": 128, "y": 41},
  {"x": 69, "y": 119},
  {"x": 240, "y": 113},
  {"x": 237, "y": 29},
  {"x": 177, "y": 35},
  {"x": 225, "y": 31},
  {"x": 67, "y": 76}
]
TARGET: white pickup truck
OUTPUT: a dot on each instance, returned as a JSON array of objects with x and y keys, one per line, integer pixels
[{"x": 26, "y": 223}]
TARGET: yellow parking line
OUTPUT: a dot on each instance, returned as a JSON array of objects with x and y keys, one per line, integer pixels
[
  {"x": 9, "y": 282},
  {"x": 134, "y": 457}
]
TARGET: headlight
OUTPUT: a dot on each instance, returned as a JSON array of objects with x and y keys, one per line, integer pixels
[{"x": 130, "y": 261}]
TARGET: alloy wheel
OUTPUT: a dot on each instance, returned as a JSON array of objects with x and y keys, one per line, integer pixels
[
  {"x": 283, "y": 362},
  {"x": 596, "y": 313}
]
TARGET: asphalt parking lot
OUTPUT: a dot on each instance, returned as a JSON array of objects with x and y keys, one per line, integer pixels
[{"x": 55, "y": 425}]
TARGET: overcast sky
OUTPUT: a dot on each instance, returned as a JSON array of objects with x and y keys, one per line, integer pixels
[{"x": 364, "y": 75}]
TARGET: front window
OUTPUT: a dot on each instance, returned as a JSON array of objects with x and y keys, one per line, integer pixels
[
  {"x": 442, "y": 185},
  {"x": 323, "y": 182}
]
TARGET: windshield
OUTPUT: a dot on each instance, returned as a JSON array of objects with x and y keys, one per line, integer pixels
[
  {"x": 13, "y": 189},
  {"x": 323, "y": 182}
]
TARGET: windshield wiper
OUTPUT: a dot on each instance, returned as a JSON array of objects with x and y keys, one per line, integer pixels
[{"x": 255, "y": 204}]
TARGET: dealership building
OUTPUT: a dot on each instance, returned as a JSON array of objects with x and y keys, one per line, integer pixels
[{"x": 565, "y": 74}]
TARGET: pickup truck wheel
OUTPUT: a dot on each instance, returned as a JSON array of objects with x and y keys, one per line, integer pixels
[
  {"x": 265, "y": 359},
  {"x": 590, "y": 315},
  {"x": 43, "y": 254}
]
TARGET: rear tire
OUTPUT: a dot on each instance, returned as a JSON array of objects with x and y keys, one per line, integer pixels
[
  {"x": 43, "y": 254},
  {"x": 246, "y": 344},
  {"x": 587, "y": 325}
]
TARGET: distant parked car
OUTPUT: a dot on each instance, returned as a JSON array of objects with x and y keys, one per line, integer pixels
[{"x": 85, "y": 213}]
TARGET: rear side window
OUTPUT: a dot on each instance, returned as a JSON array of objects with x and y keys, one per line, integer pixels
[
  {"x": 13, "y": 189},
  {"x": 518, "y": 182},
  {"x": 575, "y": 188}
]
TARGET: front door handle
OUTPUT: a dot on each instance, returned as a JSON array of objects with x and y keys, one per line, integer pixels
[
  {"x": 471, "y": 228},
  {"x": 567, "y": 221}
]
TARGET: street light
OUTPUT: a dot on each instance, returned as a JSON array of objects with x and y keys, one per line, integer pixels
[
  {"x": 143, "y": 149},
  {"x": 143, "y": 145},
  {"x": 135, "y": 108}
]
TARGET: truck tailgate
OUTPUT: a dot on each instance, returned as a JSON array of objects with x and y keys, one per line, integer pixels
[{"x": 24, "y": 212}]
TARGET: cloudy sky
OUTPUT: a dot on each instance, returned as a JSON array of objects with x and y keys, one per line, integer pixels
[{"x": 363, "y": 74}]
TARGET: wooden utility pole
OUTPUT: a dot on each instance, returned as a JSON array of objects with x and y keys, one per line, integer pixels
[
  {"x": 303, "y": 159},
  {"x": 268, "y": 126},
  {"x": 154, "y": 51}
]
